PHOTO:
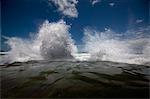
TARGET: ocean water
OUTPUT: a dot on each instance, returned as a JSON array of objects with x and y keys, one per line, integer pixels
[
  {"x": 49, "y": 64},
  {"x": 74, "y": 79},
  {"x": 53, "y": 41}
]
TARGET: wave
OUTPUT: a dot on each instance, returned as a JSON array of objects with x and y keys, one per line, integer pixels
[
  {"x": 53, "y": 41},
  {"x": 131, "y": 47}
]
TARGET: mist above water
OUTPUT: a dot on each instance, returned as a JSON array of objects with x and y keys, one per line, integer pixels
[{"x": 53, "y": 41}]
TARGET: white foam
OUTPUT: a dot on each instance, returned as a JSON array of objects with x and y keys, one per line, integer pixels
[
  {"x": 108, "y": 46},
  {"x": 53, "y": 41},
  {"x": 82, "y": 56}
]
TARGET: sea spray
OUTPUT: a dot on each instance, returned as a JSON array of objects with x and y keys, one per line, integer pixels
[
  {"x": 53, "y": 41},
  {"x": 110, "y": 46}
]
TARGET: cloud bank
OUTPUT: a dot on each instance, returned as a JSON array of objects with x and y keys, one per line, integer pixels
[{"x": 67, "y": 7}]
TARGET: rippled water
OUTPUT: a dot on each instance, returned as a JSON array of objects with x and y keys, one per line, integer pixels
[{"x": 43, "y": 79}]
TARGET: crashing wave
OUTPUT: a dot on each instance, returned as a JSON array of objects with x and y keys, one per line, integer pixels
[
  {"x": 53, "y": 41},
  {"x": 110, "y": 46}
]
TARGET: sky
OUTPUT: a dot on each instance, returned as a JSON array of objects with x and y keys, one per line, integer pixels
[{"x": 20, "y": 18}]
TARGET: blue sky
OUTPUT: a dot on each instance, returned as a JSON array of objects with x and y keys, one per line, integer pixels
[{"x": 19, "y": 18}]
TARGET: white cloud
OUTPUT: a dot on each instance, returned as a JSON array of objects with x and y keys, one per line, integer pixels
[
  {"x": 139, "y": 20},
  {"x": 95, "y": 1},
  {"x": 111, "y": 4},
  {"x": 67, "y": 7}
]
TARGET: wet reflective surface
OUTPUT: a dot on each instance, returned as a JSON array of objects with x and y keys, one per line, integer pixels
[{"x": 67, "y": 79}]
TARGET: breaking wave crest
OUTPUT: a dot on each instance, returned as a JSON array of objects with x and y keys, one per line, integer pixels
[
  {"x": 110, "y": 46},
  {"x": 53, "y": 41}
]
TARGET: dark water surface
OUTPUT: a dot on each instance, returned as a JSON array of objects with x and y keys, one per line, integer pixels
[{"x": 70, "y": 79}]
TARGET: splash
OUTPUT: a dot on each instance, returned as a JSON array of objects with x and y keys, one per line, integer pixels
[
  {"x": 110, "y": 46},
  {"x": 53, "y": 41}
]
